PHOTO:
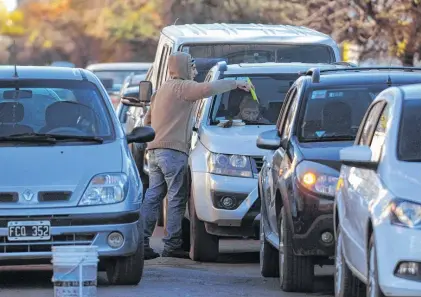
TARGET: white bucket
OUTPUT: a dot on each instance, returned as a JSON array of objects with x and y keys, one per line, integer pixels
[{"x": 75, "y": 271}]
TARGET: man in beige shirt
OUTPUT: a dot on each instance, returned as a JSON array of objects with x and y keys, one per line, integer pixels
[{"x": 169, "y": 115}]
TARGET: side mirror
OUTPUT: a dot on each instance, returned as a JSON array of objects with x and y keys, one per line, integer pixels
[
  {"x": 131, "y": 101},
  {"x": 269, "y": 140},
  {"x": 357, "y": 156},
  {"x": 145, "y": 91},
  {"x": 141, "y": 135}
]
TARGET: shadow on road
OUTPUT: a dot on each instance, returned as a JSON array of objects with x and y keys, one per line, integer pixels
[{"x": 237, "y": 258}]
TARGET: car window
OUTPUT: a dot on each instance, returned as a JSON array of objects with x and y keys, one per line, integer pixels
[
  {"x": 333, "y": 113},
  {"x": 370, "y": 123},
  {"x": 379, "y": 134},
  {"x": 116, "y": 77},
  {"x": 240, "y": 105},
  {"x": 84, "y": 115},
  {"x": 286, "y": 129},
  {"x": 206, "y": 56},
  {"x": 409, "y": 136}
]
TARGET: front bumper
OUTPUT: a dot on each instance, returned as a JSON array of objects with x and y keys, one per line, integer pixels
[
  {"x": 393, "y": 245},
  {"x": 313, "y": 217},
  {"x": 77, "y": 229},
  {"x": 241, "y": 221}
]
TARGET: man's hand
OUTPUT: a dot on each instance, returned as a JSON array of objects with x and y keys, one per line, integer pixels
[{"x": 243, "y": 85}]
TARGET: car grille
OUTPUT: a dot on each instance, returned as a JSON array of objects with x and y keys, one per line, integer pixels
[
  {"x": 53, "y": 196},
  {"x": 45, "y": 246},
  {"x": 9, "y": 197},
  {"x": 42, "y": 196},
  {"x": 259, "y": 162}
]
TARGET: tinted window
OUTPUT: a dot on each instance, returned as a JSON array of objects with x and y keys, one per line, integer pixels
[
  {"x": 335, "y": 113},
  {"x": 206, "y": 56},
  {"x": 409, "y": 142},
  {"x": 238, "y": 104},
  {"x": 370, "y": 123},
  {"x": 56, "y": 106}
]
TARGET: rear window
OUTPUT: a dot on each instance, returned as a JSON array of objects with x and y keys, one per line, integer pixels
[
  {"x": 56, "y": 107},
  {"x": 240, "y": 105},
  {"x": 207, "y": 56},
  {"x": 409, "y": 137}
]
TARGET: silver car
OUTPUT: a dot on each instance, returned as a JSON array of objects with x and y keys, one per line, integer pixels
[
  {"x": 68, "y": 176},
  {"x": 378, "y": 207}
]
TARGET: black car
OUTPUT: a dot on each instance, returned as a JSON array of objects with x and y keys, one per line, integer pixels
[{"x": 320, "y": 115}]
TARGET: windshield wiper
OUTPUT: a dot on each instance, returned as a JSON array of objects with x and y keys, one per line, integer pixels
[
  {"x": 28, "y": 138},
  {"x": 332, "y": 136},
  {"x": 51, "y": 137}
]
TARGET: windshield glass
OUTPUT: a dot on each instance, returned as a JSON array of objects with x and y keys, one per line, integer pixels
[
  {"x": 62, "y": 107},
  {"x": 114, "y": 78},
  {"x": 335, "y": 113},
  {"x": 206, "y": 56},
  {"x": 240, "y": 105},
  {"x": 409, "y": 137}
]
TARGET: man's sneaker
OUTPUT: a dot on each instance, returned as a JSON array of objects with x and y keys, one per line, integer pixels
[
  {"x": 150, "y": 253},
  {"x": 177, "y": 253}
]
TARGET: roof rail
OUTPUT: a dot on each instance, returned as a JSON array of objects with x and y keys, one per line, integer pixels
[
  {"x": 343, "y": 63},
  {"x": 315, "y": 74},
  {"x": 222, "y": 66},
  {"x": 384, "y": 68}
]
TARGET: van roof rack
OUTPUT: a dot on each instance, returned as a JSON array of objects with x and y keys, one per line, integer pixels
[{"x": 315, "y": 72}]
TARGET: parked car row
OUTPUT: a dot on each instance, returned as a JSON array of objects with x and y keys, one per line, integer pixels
[
  {"x": 321, "y": 168},
  {"x": 319, "y": 122}
]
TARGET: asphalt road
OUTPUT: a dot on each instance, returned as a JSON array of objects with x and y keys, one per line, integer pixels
[{"x": 235, "y": 274}]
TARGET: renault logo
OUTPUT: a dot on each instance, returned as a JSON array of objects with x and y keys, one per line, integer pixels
[{"x": 28, "y": 195}]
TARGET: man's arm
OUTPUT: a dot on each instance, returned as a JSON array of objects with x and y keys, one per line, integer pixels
[{"x": 192, "y": 91}]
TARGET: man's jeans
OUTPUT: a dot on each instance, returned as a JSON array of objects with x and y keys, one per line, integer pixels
[{"x": 167, "y": 175}]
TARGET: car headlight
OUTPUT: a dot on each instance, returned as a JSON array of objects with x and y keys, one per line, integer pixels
[
  {"x": 405, "y": 213},
  {"x": 233, "y": 165},
  {"x": 317, "y": 178},
  {"x": 105, "y": 189}
]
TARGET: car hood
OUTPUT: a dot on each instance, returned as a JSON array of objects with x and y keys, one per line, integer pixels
[
  {"x": 326, "y": 153},
  {"x": 239, "y": 140},
  {"x": 65, "y": 168}
]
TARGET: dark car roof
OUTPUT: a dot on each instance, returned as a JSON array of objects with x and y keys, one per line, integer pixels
[{"x": 353, "y": 76}]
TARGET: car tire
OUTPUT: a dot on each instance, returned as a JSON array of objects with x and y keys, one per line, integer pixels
[
  {"x": 346, "y": 284},
  {"x": 203, "y": 246},
  {"x": 269, "y": 264},
  {"x": 373, "y": 287},
  {"x": 126, "y": 271},
  {"x": 296, "y": 273}
]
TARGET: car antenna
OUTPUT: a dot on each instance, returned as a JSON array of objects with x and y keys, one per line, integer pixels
[
  {"x": 176, "y": 21},
  {"x": 389, "y": 79},
  {"x": 14, "y": 59}
]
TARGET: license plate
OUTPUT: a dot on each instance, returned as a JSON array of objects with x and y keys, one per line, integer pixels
[{"x": 29, "y": 230}]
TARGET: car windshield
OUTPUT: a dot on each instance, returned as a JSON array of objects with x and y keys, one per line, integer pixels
[
  {"x": 206, "y": 56},
  {"x": 335, "y": 113},
  {"x": 240, "y": 105},
  {"x": 409, "y": 137},
  {"x": 115, "y": 78},
  {"x": 61, "y": 107}
]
